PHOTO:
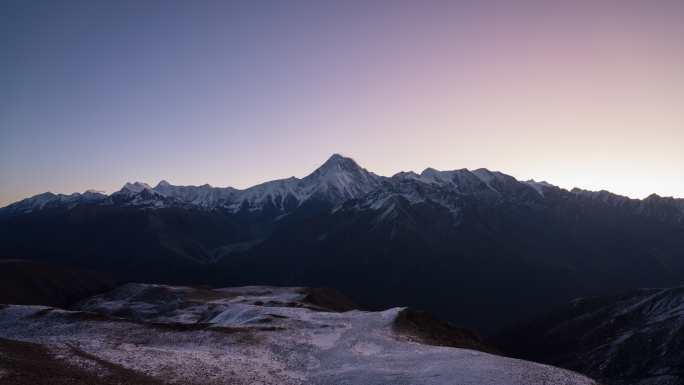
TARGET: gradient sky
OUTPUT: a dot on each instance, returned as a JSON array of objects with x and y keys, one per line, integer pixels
[{"x": 579, "y": 93}]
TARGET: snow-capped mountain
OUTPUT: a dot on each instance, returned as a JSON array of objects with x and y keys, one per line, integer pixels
[
  {"x": 431, "y": 236},
  {"x": 339, "y": 180},
  {"x": 49, "y": 200},
  {"x": 205, "y": 196}
]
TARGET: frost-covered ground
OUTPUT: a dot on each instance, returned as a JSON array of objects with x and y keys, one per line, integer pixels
[{"x": 254, "y": 335}]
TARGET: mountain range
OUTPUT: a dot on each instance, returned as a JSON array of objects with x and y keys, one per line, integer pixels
[{"x": 477, "y": 247}]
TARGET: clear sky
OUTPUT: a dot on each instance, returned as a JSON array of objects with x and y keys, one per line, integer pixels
[{"x": 233, "y": 93}]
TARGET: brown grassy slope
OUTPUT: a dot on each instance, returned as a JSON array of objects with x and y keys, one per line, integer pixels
[{"x": 25, "y": 363}]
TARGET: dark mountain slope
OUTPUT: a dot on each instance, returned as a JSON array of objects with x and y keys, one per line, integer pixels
[
  {"x": 632, "y": 338},
  {"x": 30, "y": 283}
]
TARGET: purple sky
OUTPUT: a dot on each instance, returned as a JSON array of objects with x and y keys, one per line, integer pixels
[{"x": 580, "y": 93}]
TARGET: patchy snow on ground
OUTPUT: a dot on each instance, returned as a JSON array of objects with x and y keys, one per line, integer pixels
[{"x": 255, "y": 335}]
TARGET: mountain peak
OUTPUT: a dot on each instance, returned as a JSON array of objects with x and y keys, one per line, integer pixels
[
  {"x": 429, "y": 171},
  {"x": 136, "y": 187},
  {"x": 339, "y": 160},
  {"x": 337, "y": 157},
  {"x": 340, "y": 178},
  {"x": 337, "y": 163}
]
